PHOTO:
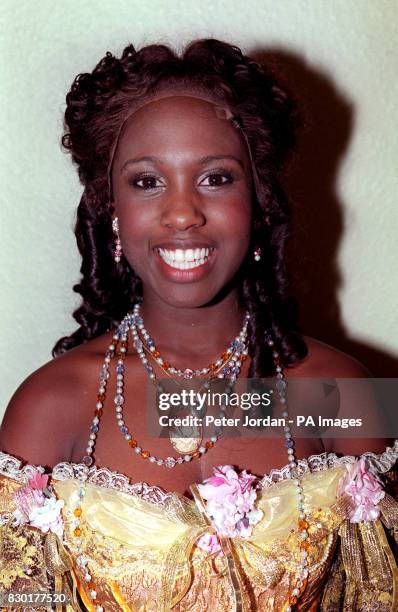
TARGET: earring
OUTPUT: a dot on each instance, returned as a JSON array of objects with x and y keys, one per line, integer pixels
[
  {"x": 257, "y": 254},
  {"x": 117, "y": 253}
]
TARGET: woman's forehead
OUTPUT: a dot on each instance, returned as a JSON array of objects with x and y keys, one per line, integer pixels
[{"x": 182, "y": 119}]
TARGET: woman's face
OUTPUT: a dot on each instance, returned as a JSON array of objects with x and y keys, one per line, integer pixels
[{"x": 182, "y": 192}]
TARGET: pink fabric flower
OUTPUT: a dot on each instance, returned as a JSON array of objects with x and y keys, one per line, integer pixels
[
  {"x": 230, "y": 498},
  {"x": 27, "y": 500},
  {"x": 38, "y": 508},
  {"x": 365, "y": 490},
  {"x": 38, "y": 481}
]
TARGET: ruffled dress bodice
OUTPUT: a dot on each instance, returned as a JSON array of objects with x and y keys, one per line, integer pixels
[{"x": 140, "y": 544}]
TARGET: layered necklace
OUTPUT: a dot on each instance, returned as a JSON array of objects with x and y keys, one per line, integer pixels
[{"x": 228, "y": 366}]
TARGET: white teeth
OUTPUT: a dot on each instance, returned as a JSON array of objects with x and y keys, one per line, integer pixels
[{"x": 185, "y": 259}]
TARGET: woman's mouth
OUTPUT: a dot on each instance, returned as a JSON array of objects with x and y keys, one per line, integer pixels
[
  {"x": 185, "y": 259},
  {"x": 187, "y": 265}
]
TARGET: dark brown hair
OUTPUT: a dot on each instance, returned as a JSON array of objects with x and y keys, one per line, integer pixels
[{"x": 97, "y": 106}]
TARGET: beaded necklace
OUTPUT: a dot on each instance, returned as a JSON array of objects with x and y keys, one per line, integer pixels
[
  {"x": 132, "y": 321},
  {"x": 235, "y": 354},
  {"x": 227, "y": 364}
]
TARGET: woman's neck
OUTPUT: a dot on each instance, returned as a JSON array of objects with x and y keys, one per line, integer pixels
[{"x": 193, "y": 333}]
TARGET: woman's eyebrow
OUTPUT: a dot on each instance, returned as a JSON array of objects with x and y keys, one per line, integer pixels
[
  {"x": 209, "y": 158},
  {"x": 137, "y": 160},
  {"x": 202, "y": 161}
]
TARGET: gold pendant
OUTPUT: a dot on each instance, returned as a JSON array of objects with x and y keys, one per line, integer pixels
[{"x": 186, "y": 440}]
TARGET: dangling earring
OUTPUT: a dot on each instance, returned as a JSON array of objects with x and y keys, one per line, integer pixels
[
  {"x": 257, "y": 254},
  {"x": 117, "y": 253}
]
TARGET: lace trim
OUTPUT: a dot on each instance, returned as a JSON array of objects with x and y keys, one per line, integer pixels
[
  {"x": 316, "y": 463},
  {"x": 102, "y": 477},
  {"x": 11, "y": 466}
]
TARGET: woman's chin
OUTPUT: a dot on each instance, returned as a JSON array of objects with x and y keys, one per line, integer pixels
[
  {"x": 186, "y": 297},
  {"x": 195, "y": 295}
]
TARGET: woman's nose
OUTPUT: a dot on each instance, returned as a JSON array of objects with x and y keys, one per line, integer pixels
[{"x": 183, "y": 211}]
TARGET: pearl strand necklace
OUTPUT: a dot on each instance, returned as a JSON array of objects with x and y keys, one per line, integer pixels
[
  {"x": 132, "y": 322},
  {"x": 135, "y": 323},
  {"x": 303, "y": 572},
  {"x": 81, "y": 560},
  {"x": 169, "y": 462},
  {"x": 228, "y": 367},
  {"x": 231, "y": 357}
]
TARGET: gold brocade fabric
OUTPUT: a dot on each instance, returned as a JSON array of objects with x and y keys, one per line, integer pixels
[{"x": 142, "y": 553}]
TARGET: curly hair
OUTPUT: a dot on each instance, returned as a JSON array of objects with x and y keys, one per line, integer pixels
[{"x": 98, "y": 104}]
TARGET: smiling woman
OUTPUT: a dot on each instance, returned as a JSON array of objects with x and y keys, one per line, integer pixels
[
  {"x": 181, "y": 227},
  {"x": 182, "y": 201}
]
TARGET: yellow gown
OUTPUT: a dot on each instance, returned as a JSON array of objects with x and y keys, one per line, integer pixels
[{"x": 138, "y": 543}]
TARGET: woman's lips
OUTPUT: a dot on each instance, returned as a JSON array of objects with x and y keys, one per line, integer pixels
[
  {"x": 185, "y": 265},
  {"x": 185, "y": 259}
]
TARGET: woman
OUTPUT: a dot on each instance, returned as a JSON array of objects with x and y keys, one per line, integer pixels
[{"x": 182, "y": 224}]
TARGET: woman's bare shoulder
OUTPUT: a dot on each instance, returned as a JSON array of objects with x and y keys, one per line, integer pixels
[
  {"x": 49, "y": 407},
  {"x": 325, "y": 360}
]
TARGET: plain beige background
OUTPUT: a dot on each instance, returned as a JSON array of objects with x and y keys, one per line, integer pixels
[{"x": 341, "y": 55}]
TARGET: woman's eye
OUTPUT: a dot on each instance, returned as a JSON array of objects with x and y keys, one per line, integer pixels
[
  {"x": 216, "y": 179},
  {"x": 146, "y": 182}
]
